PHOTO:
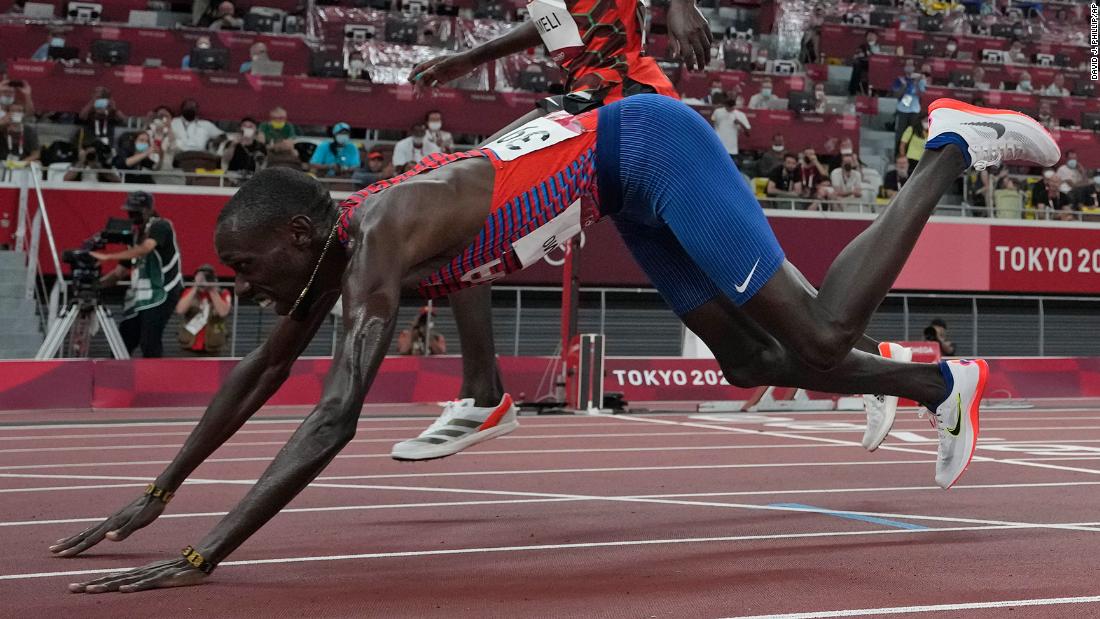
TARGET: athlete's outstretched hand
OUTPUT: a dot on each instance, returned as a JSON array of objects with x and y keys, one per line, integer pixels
[
  {"x": 689, "y": 34},
  {"x": 159, "y": 575},
  {"x": 440, "y": 70},
  {"x": 116, "y": 528}
]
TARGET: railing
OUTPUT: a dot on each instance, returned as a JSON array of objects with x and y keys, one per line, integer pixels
[
  {"x": 958, "y": 210},
  {"x": 33, "y": 225}
]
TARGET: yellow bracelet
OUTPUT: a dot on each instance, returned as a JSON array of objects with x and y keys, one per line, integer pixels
[
  {"x": 159, "y": 493},
  {"x": 197, "y": 560}
]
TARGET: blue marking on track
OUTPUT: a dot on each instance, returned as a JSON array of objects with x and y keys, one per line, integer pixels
[{"x": 872, "y": 519}]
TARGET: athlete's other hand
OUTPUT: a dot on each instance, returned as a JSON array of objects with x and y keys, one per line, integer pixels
[
  {"x": 159, "y": 575},
  {"x": 440, "y": 70},
  {"x": 116, "y": 528},
  {"x": 689, "y": 34}
]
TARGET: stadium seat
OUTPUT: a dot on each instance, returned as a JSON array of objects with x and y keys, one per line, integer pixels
[
  {"x": 1007, "y": 204},
  {"x": 760, "y": 186}
]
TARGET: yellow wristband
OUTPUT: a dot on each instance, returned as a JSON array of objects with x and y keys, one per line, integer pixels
[
  {"x": 197, "y": 561},
  {"x": 159, "y": 493}
]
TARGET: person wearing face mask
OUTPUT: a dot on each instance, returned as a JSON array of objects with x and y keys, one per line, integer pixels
[
  {"x": 191, "y": 132},
  {"x": 907, "y": 89},
  {"x": 1016, "y": 54},
  {"x": 816, "y": 185},
  {"x": 278, "y": 134},
  {"x": 765, "y": 99},
  {"x": 338, "y": 156},
  {"x": 443, "y": 139},
  {"x": 820, "y": 100},
  {"x": 136, "y": 152},
  {"x": 153, "y": 266},
  {"x": 717, "y": 95},
  {"x": 256, "y": 53},
  {"x": 55, "y": 39},
  {"x": 773, "y": 157},
  {"x": 951, "y": 51},
  {"x": 246, "y": 154},
  {"x": 861, "y": 63},
  {"x": 19, "y": 142},
  {"x": 413, "y": 148},
  {"x": 913, "y": 139},
  {"x": 1071, "y": 171},
  {"x": 224, "y": 17},
  {"x": 357, "y": 68},
  {"x": 100, "y": 118},
  {"x": 729, "y": 121},
  {"x": 847, "y": 183},
  {"x": 202, "y": 42},
  {"x": 377, "y": 170},
  {"x": 1057, "y": 88}
]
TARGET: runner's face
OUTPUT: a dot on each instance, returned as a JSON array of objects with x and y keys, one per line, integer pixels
[{"x": 269, "y": 268}]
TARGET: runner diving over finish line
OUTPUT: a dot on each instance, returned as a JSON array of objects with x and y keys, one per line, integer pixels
[{"x": 653, "y": 166}]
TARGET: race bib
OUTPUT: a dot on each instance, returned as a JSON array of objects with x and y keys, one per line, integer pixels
[
  {"x": 535, "y": 135},
  {"x": 556, "y": 27},
  {"x": 906, "y": 100},
  {"x": 544, "y": 239}
]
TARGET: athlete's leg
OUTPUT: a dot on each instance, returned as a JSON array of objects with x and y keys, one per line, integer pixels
[{"x": 473, "y": 312}]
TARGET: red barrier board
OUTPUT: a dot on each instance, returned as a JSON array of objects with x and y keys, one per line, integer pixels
[{"x": 144, "y": 383}]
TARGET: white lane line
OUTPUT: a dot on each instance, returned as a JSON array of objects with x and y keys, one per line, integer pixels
[
  {"x": 1031, "y": 462},
  {"x": 544, "y": 547},
  {"x": 360, "y": 441},
  {"x": 68, "y": 488},
  {"x": 930, "y": 608},
  {"x": 110, "y": 425},
  {"x": 924, "y": 427}
]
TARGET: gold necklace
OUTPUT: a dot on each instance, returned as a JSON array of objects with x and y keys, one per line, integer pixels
[{"x": 331, "y": 235}]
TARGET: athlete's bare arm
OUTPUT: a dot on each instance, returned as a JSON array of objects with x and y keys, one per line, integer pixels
[{"x": 255, "y": 379}]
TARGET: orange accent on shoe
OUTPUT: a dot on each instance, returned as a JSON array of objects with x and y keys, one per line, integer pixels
[
  {"x": 983, "y": 376},
  {"x": 884, "y": 350},
  {"x": 963, "y": 106},
  {"x": 495, "y": 416}
]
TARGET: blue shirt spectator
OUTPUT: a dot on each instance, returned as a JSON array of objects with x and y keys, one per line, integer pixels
[
  {"x": 338, "y": 156},
  {"x": 43, "y": 52},
  {"x": 908, "y": 88}
]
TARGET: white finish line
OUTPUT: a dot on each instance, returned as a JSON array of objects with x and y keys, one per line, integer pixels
[{"x": 931, "y": 608}]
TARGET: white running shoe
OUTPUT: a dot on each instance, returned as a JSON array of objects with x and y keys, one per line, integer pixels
[
  {"x": 881, "y": 409},
  {"x": 957, "y": 417},
  {"x": 460, "y": 426},
  {"x": 993, "y": 136}
]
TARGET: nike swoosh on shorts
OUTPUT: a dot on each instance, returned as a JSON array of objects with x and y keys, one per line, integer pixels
[{"x": 745, "y": 285}]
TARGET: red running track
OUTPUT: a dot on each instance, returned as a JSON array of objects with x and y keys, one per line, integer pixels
[{"x": 672, "y": 515}]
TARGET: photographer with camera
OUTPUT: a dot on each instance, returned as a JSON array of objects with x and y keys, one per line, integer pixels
[
  {"x": 155, "y": 276},
  {"x": 94, "y": 165},
  {"x": 100, "y": 117},
  {"x": 20, "y": 142},
  {"x": 203, "y": 308}
]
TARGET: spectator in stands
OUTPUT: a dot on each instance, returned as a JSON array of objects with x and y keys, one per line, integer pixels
[
  {"x": 415, "y": 340},
  {"x": 413, "y": 148},
  {"x": 377, "y": 169},
  {"x": 907, "y": 89},
  {"x": 764, "y": 99},
  {"x": 728, "y": 122},
  {"x": 814, "y": 177},
  {"x": 1016, "y": 54},
  {"x": 256, "y": 53},
  {"x": 1071, "y": 171},
  {"x": 192, "y": 133},
  {"x": 984, "y": 183},
  {"x": 773, "y": 158},
  {"x": 225, "y": 18},
  {"x": 136, "y": 152},
  {"x": 784, "y": 182},
  {"x": 861, "y": 63},
  {"x": 1066, "y": 212},
  {"x": 245, "y": 154},
  {"x": 338, "y": 156},
  {"x": 161, "y": 138},
  {"x": 203, "y": 309},
  {"x": 202, "y": 42},
  {"x": 936, "y": 331},
  {"x": 895, "y": 179},
  {"x": 1057, "y": 88},
  {"x": 1045, "y": 196},
  {"x": 14, "y": 92},
  {"x": 913, "y": 139},
  {"x": 979, "y": 79},
  {"x": 20, "y": 142},
  {"x": 951, "y": 51},
  {"x": 847, "y": 182},
  {"x": 278, "y": 134},
  {"x": 357, "y": 67},
  {"x": 55, "y": 38},
  {"x": 810, "y": 49},
  {"x": 717, "y": 95},
  {"x": 100, "y": 117},
  {"x": 93, "y": 165},
  {"x": 1046, "y": 116},
  {"x": 821, "y": 101},
  {"x": 435, "y": 133},
  {"x": 1085, "y": 197},
  {"x": 1024, "y": 83},
  {"x": 926, "y": 73}
]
